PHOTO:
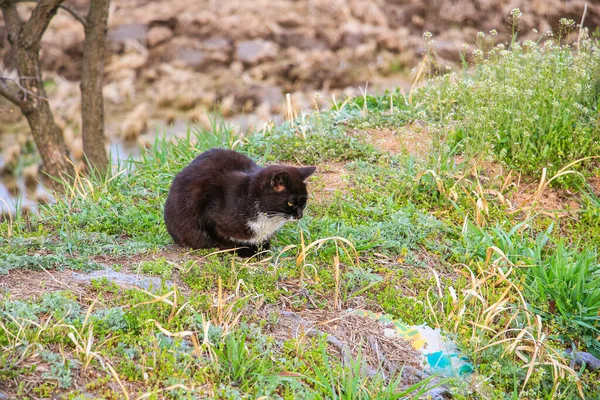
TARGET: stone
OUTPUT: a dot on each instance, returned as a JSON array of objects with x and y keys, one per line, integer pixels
[
  {"x": 128, "y": 32},
  {"x": 217, "y": 43},
  {"x": 255, "y": 51},
  {"x": 301, "y": 38},
  {"x": 123, "y": 279},
  {"x": 191, "y": 57},
  {"x": 159, "y": 35},
  {"x": 581, "y": 357}
]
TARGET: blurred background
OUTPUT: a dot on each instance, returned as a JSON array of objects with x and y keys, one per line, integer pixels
[{"x": 175, "y": 64}]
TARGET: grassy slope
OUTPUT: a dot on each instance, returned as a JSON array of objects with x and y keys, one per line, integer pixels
[{"x": 448, "y": 243}]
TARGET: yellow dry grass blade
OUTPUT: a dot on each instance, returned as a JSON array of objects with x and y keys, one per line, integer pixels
[
  {"x": 437, "y": 180},
  {"x": 418, "y": 76},
  {"x": 10, "y": 218},
  {"x": 118, "y": 379},
  {"x": 157, "y": 299},
  {"x": 181, "y": 334},
  {"x": 317, "y": 244},
  {"x": 544, "y": 183},
  {"x": 494, "y": 308},
  {"x": 336, "y": 274}
]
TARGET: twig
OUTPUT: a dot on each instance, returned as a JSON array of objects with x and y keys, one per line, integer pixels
[
  {"x": 9, "y": 93},
  {"x": 21, "y": 102},
  {"x": 581, "y": 26}
]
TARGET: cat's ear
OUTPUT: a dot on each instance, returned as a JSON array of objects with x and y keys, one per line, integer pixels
[
  {"x": 305, "y": 172},
  {"x": 279, "y": 181}
]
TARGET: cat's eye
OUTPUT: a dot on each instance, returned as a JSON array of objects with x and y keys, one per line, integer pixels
[{"x": 290, "y": 204}]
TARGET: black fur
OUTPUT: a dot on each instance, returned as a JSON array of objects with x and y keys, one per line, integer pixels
[{"x": 213, "y": 199}]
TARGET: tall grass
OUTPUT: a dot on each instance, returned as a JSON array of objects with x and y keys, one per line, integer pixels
[{"x": 530, "y": 105}]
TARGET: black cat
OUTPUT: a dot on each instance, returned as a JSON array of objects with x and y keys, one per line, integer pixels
[{"x": 224, "y": 200}]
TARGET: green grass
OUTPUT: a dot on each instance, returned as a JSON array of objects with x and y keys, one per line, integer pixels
[
  {"x": 440, "y": 240},
  {"x": 529, "y": 105}
]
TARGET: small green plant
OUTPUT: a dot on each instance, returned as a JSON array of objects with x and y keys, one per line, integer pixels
[
  {"x": 159, "y": 266},
  {"x": 352, "y": 383},
  {"x": 61, "y": 369},
  {"x": 240, "y": 367},
  {"x": 566, "y": 283}
]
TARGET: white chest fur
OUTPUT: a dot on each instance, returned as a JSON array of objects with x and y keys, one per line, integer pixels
[{"x": 264, "y": 227}]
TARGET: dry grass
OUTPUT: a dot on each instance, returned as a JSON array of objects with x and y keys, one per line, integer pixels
[
  {"x": 357, "y": 335},
  {"x": 494, "y": 310}
]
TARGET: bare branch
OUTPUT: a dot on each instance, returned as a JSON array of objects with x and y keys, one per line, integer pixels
[
  {"x": 36, "y": 25},
  {"x": 23, "y": 89},
  {"x": 65, "y": 7},
  {"x": 11, "y": 94},
  {"x": 12, "y": 21}
]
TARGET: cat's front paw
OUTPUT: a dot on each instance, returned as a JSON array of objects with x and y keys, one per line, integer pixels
[
  {"x": 260, "y": 251},
  {"x": 246, "y": 252}
]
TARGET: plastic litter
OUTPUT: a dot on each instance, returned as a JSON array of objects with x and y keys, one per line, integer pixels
[{"x": 441, "y": 356}]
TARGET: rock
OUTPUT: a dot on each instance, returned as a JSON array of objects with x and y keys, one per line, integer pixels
[
  {"x": 144, "y": 142},
  {"x": 11, "y": 155},
  {"x": 123, "y": 279},
  {"x": 123, "y": 33},
  {"x": 368, "y": 12},
  {"x": 301, "y": 38},
  {"x": 251, "y": 96},
  {"x": 366, "y": 51},
  {"x": 135, "y": 123},
  {"x": 43, "y": 197},
  {"x": 30, "y": 174},
  {"x": 74, "y": 143},
  {"x": 290, "y": 20},
  {"x": 200, "y": 117},
  {"x": 217, "y": 43},
  {"x": 158, "y": 35},
  {"x": 191, "y": 57},
  {"x": 579, "y": 358},
  {"x": 255, "y": 51},
  {"x": 331, "y": 37},
  {"x": 353, "y": 34},
  {"x": 393, "y": 40},
  {"x": 448, "y": 50}
]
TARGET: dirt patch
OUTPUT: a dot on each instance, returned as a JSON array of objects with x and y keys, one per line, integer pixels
[
  {"x": 21, "y": 284},
  {"x": 349, "y": 334},
  {"x": 330, "y": 179},
  {"x": 413, "y": 139},
  {"x": 385, "y": 140},
  {"x": 551, "y": 200},
  {"x": 519, "y": 192},
  {"x": 29, "y": 284},
  {"x": 171, "y": 253}
]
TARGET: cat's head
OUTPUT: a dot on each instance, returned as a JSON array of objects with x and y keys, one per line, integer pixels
[{"x": 283, "y": 191}]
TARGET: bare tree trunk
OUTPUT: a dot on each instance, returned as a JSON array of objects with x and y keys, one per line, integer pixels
[
  {"x": 92, "y": 103},
  {"x": 31, "y": 96}
]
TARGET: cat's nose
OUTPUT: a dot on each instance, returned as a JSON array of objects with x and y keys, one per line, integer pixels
[{"x": 298, "y": 213}]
